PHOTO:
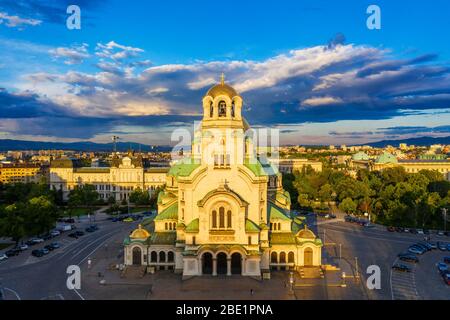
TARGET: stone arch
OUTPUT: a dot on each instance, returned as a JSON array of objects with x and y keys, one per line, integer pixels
[
  {"x": 207, "y": 262},
  {"x": 170, "y": 256},
  {"x": 221, "y": 260},
  {"x": 236, "y": 263},
  {"x": 308, "y": 256},
  {"x": 282, "y": 257}
]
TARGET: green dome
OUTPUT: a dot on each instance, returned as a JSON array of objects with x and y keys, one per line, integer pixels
[
  {"x": 360, "y": 156},
  {"x": 386, "y": 157}
]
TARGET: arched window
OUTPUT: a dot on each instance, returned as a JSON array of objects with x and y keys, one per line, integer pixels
[
  {"x": 232, "y": 109},
  {"x": 162, "y": 256},
  {"x": 214, "y": 219},
  {"x": 291, "y": 257},
  {"x": 165, "y": 226},
  {"x": 170, "y": 256},
  {"x": 279, "y": 226},
  {"x": 222, "y": 109},
  {"x": 211, "y": 110},
  {"x": 282, "y": 257},
  {"x": 153, "y": 256},
  {"x": 221, "y": 217},
  {"x": 229, "y": 219},
  {"x": 273, "y": 257}
]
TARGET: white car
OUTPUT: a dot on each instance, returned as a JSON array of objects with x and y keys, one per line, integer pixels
[
  {"x": 37, "y": 240},
  {"x": 419, "y": 231},
  {"x": 55, "y": 233},
  {"x": 23, "y": 247},
  {"x": 3, "y": 257}
]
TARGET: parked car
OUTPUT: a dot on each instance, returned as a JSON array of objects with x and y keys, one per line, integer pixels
[
  {"x": 55, "y": 233},
  {"x": 128, "y": 220},
  {"x": 440, "y": 233},
  {"x": 45, "y": 250},
  {"x": 420, "y": 231},
  {"x": 426, "y": 245},
  {"x": 446, "y": 278},
  {"x": 12, "y": 252},
  {"x": 416, "y": 250},
  {"x": 446, "y": 259},
  {"x": 47, "y": 237},
  {"x": 399, "y": 229},
  {"x": 3, "y": 257},
  {"x": 37, "y": 253},
  {"x": 390, "y": 229},
  {"x": 413, "y": 231},
  {"x": 420, "y": 246},
  {"x": 49, "y": 247},
  {"x": 401, "y": 267},
  {"x": 55, "y": 245},
  {"x": 409, "y": 258},
  {"x": 442, "y": 246},
  {"x": 23, "y": 247},
  {"x": 89, "y": 229},
  {"x": 30, "y": 243},
  {"x": 406, "y": 230},
  {"x": 73, "y": 235},
  {"x": 37, "y": 240},
  {"x": 79, "y": 233},
  {"x": 426, "y": 231},
  {"x": 442, "y": 267},
  {"x": 433, "y": 245}
]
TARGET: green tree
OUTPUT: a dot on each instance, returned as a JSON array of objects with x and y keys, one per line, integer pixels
[
  {"x": 12, "y": 222},
  {"x": 348, "y": 205}
]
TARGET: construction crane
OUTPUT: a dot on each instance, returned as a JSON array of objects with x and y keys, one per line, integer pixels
[{"x": 114, "y": 139}]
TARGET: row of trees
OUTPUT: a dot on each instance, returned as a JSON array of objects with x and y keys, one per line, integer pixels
[{"x": 391, "y": 196}]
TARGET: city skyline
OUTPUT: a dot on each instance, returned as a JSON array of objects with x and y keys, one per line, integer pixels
[{"x": 314, "y": 71}]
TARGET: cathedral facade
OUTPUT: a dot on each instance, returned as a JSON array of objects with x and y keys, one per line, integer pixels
[{"x": 223, "y": 210}]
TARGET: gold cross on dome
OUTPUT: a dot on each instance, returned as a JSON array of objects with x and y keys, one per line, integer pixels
[{"x": 222, "y": 79}]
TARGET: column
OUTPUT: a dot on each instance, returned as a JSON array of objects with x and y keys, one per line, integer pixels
[
  {"x": 214, "y": 267},
  {"x": 242, "y": 266},
  {"x": 200, "y": 266},
  {"x": 228, "y": 266}
]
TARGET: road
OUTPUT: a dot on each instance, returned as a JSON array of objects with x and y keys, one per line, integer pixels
[{"x": 27, "y": 277}]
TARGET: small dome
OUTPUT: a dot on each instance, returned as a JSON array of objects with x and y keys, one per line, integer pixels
[
  {"x": 306, "y": 234},
  {"x": 140, "y": 234},
  {"x": 222, "y": 89}
]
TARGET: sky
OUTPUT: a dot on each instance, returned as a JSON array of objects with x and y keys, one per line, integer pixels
[{"x": 139, "y": 69}]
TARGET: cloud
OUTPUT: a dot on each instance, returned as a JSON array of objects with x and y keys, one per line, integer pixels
[
  {"x": 296, "y": 87},
  {"x": 16, "y": 21},
  {"x": 73, "y": 55}
]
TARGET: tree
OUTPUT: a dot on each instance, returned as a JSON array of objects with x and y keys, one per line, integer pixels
[
  {"x": 41, "y": 214},
  {"x": 325, "y": 193},
  {"x": 12, "y": 222},
  {"x": 348, "y": 205},
  {"x": 85, "y": 195}
]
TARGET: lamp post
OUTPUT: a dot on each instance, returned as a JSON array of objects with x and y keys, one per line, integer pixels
[
  {"x": 444, "y": 213},
  {"x": 340, "y": 253},
  {"x": 366, "y": 214},
  {"x": 291, "y": 282}
]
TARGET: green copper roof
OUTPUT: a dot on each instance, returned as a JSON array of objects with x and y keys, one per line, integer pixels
[
  {"x": 170, "y": 212},
  {"x": 256, "y": 168},
  {"x": 183, "y": 168},
  {"x": 193, "y": 226},
  {"x": 128, "y": 240},
  {"x": 275, "y": 212},
  {"x": 360, "y": 156},
  {"x": 250, "y": 226},
  {"x": 386, "y": 157},
  {"x": 163, "y": 238}
]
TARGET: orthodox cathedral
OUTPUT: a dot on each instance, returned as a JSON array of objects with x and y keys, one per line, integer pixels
[{"x": 223, "y": 210}]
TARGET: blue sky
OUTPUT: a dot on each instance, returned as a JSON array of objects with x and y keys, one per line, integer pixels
[{"x": 139, "y": 69}]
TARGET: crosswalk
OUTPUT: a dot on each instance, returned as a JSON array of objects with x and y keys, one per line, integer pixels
[{"x": 403, "y": 284}]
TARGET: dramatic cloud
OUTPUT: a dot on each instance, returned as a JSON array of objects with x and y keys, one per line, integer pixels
[
  {"x": 318, "y": 84},
  {"x": 16, "y": 21}
]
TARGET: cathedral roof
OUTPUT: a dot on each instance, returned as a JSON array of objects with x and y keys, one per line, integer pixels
[
  {"x": 386, "y": 157},
  {"x": 170, "y": 213},
  {"x": 163, "y": 238},
  {"x": 140, "y": 234},
  {"x": 250, "y": 226},
  {"x": 183, "y": 168},
  {"x": 193, "y": 226},
  {"x": 275, "y": 212}
]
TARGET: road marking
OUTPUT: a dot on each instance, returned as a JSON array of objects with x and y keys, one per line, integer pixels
[
  {"x": 13, "y": 291},
  {"x": 79, "y": 294},
  {"x": 403, "y": 285}
]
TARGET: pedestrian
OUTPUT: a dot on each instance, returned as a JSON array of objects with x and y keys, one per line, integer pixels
[{"x": 251, "y": 292}]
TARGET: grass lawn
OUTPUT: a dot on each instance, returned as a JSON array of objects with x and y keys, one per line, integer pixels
[{"x": 75, "y": 212}]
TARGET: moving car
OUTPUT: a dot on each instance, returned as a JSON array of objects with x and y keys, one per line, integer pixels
[
  {"x": 401, "y": 267},
  {"x": 3, "y": 257},
  {"x": 409, "y": 258}
]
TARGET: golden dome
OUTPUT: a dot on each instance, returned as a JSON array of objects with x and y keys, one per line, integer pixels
[
  {"x": 222, "y": 89},
  {"x": 140, "y": 233},
  {"x": 306, "y": 233}
]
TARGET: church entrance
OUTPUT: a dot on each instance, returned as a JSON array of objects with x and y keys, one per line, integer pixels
[
  {"x": 207, "y": 263},
  {"x": 236, "y": 263},
  {"x": 137, "y": 256},
  {"x": 221, "y": 263},
  {"x": 308, "y": 257}
]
